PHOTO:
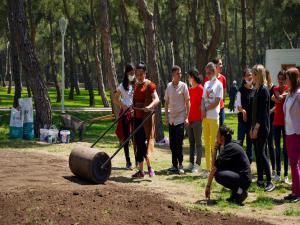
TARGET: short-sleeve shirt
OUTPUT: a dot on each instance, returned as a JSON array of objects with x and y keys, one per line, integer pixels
[
  {"x": 126, "y": 95},
  {"x": 222, "y": 79},
  {"x": 176, "y": 96},
  {"x": 139, "y": 96},
  {"x": 196, "y": 100},
  {"x": 278, "y": 113},
  {"x": 212, "y": 89}
]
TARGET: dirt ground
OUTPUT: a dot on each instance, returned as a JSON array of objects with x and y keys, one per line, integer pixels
[{"x": 38, "y": 188}]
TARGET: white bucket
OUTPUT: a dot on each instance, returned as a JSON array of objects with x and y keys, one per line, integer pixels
[
  {"x": 65, "y": 136},
  {"x": 52, "y": 136},
  {"x": 44, "y": 134}
]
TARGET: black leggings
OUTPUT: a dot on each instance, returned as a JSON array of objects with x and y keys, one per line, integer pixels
[
  {"x": 126, "y": 135},
  {"x": 262, "y": 162},
  {"x": 232, "y": 180},
  {"x": 140, "y": 140}
]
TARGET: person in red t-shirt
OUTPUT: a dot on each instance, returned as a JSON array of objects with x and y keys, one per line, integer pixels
[
  {"x": 222, "y": 79},
  {"x": 280, "y": 93},
  {"x": 195, "y": 120}
]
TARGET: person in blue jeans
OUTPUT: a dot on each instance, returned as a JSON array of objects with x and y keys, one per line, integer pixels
[{"x": 244, "y": 106}]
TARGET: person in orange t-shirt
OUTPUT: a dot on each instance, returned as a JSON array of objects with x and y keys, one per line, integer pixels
[
  {"x": 222, "y": 79},
  {"x": 280, "y": 93},
  {"x": 195, "y": 120}
]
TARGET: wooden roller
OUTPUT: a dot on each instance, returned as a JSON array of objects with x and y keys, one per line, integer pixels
[{"x": 86, "y": 163}]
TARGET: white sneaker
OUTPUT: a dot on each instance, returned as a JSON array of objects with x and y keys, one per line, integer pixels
[
  {"x": 205, "y": 174},
  {"x": 286, "y": 180},
  {"x": 273, "y": 174},
  {"x": 190, "y": 167},
  {"x": 180, "y": 170},
  {"x": 277, "y": 178},
  {"x": 195, "y": 168}
]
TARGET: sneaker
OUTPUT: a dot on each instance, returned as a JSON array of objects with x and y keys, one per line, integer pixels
[
  {"x": 270, "y": 187},
  {"x": 196, "y": 168},
  {"x": 151, "y": 172},
  {"x": 181, "y": 170},
  {"x": 241, "y": 197},
  {"x": 129, "y": 166},
  {"x": 204, "y": 175},
  {"x": 173, "y": 169},
  {"x": 277, "y": 178},
  {"x": 292, "y": 198},
  {"x": 138, "y": 174},
  {"x": 286, "y": 180},
  {"x": 190, "y": 167}
]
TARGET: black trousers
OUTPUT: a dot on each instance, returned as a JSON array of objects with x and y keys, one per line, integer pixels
[
  {"x": 262, "y": 162},
  {"x": 271, "y": 146},
  {"x": 126, "y": 135},
  {"x": 176, "y": 135},
  {"x": 232, "y": 180},
  {"x": 140, "y": 141}
]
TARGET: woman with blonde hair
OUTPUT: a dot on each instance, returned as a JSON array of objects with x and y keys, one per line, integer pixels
[{"x": 260, "y": 126}]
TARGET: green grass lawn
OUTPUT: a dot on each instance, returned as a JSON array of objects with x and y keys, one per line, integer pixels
[{"x": 82, "y": 100}]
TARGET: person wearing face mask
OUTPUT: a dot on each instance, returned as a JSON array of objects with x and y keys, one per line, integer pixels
[
  {"x": 177, "y": 107},
  {"x": 231, "y": 168},
  {"x": 124, "y": 99},
  {"x": 145, "y": 100},
  {"x": 195, "y": 120},
  {"x": 244, "y": 107},
  {"x": 212, "y": 95}
]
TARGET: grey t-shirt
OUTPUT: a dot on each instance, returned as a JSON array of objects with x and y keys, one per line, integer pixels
[{"x": 177, "y": 95}]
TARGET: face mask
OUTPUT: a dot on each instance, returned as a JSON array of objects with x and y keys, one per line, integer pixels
[
  {"x": 131, "y": 78},
  {"x": 249, "y": 82}
]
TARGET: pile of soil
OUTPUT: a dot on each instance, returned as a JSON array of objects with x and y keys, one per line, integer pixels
[{"x": 39, "y": 189}]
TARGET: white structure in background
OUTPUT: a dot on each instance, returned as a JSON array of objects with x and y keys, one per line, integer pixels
[{"x": 277, "y": 59}]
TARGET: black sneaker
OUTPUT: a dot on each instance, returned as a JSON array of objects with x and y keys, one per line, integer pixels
[
  {"x": 270, "y": 187},
  {"x": 292, "y": 198},
  {"x": 173, "y": 169},
  {"x": 240, "y": 198},
  {"x": 129, "y": 166}
]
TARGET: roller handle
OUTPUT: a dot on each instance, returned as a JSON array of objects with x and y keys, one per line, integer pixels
[
  {"x": 128, "y": 139},
  {"x": 108, "y": 129}
]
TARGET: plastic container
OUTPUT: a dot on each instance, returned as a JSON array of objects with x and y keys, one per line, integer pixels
[
  {"x": 65, "y": 136},
  {"x": 44, "y": 134},
  {"x": 52, "y": 136}
]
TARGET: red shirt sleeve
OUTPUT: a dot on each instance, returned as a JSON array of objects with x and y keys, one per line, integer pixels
[{"x": 152, "y": 87}]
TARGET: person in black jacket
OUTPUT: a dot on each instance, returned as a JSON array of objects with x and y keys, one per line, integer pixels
[
  {"x": 260, "y": 126},
  {"x": 231, "y": 167}
]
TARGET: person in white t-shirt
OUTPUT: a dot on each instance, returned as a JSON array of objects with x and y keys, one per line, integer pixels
[
  {"x": 124, "y": 99},
  {"x": 212, "y": 95}
]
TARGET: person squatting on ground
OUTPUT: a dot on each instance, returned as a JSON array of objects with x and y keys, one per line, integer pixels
[
  {"x": 177, "y": 108},
  {"x": 145, "y": 99},
  {"x": 231, "y": 167}
]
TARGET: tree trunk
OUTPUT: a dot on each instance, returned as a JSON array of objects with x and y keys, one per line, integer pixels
[
  {"x": 244, "y": 35},
  {"x": 124, "y": 27},
  {"x": 254, "y": 47},
  {"x": 227, "y": 46},
  {"x": 15, "y": 63},
  {"x": 52, "y": 62},
  {"x": 8, "y": 67},
  {"x": 83, "y": 63},
  {"x": 174, "y": 32},
  {"x": 31, "y": 66},
  {"x": 101, "y": 87},
  {"x": 109, "y": 64},
  {"x": 32, "y": 23},
  {"x": 151, "y": 59}
]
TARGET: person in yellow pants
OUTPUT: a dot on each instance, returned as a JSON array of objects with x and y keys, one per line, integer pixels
[{"x": 212, "y": 95}]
